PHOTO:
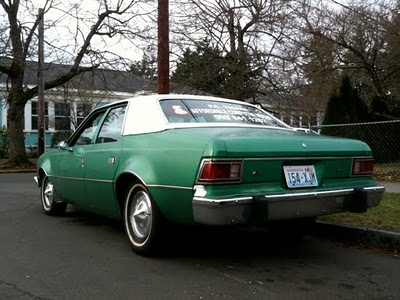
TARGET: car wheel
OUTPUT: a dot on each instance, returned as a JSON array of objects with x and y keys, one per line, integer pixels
[
  {"x": 50, "y": 204},
  {"x": 143, "y": 222}
]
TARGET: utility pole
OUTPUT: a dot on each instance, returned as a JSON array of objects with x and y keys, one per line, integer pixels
[
  {"x": 163, "y": 47},
  {"x": 41, "y": 108}
]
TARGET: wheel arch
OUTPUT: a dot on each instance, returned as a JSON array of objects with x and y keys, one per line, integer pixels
[
  {"x": 123, "y": 182},
  {"x": 44, "y": 169},
  {"x": 41, "y": 173}
]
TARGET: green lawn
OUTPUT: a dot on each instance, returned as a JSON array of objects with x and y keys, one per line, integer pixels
[{"x": 386, "y": 216}]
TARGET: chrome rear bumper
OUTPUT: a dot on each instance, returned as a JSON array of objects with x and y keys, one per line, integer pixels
[{"x": 265, "y": 208}]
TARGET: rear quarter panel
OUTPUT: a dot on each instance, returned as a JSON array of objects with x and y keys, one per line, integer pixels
[{"x": 167, "y": 163}]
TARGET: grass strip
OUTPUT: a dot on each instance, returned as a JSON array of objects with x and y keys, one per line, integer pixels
[{"x": 386, "y": 216}]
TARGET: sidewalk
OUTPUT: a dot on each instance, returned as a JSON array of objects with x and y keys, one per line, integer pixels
[{"x": 391, "y": 186}]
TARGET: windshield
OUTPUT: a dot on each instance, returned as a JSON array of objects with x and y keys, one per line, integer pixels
[{"x": 211, "y": 111}]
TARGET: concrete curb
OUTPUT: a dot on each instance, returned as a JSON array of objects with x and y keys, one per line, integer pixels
[{"x": 386, "y": 240}]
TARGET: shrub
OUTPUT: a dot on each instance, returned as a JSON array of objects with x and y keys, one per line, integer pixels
[{"x": 33, "y": 149}]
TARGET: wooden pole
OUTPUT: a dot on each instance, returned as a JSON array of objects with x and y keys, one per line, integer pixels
[
  {"x": 41, "y": 108},
  {"x": 163, "y": 47}
]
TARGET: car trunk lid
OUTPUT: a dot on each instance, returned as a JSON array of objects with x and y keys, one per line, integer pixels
[{"x": 276, "y": 155}]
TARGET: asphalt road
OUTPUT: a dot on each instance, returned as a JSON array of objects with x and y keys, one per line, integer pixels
[{"x": 83, "y": 256}]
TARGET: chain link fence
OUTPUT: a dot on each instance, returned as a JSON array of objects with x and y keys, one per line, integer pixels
[{"x": 382, "y": 137}]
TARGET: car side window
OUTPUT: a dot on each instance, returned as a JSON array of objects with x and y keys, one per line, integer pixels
[
  {"x": 88, "y": 131},
  {"x": 111, "y": 129}
]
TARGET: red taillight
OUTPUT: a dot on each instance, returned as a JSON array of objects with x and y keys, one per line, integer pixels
[
  {"x": 214, "y": 171},
  {"x": 362, "y": 166}
]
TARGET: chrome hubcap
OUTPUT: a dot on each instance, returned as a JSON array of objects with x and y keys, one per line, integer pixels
[
  {"x": 48, "y": 195},
  {"x": 140, "y": 215}
]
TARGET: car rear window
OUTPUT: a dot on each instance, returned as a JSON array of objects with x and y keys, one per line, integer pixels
[{"x": 204, "y": 111}]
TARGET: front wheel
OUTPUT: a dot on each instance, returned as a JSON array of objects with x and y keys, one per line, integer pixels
[
  {"x": 143, "y": 222},
  {"x": 50, "y": 204}
]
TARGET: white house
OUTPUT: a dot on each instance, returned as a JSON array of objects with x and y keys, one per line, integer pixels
[{"x": 67, "y": 105}]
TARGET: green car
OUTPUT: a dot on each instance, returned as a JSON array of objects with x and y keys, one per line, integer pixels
[{"x": 157, "y": 160}]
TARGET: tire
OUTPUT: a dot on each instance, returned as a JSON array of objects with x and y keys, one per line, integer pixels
[
  {"x": 144, "y": 224},
  {"x": 50, "y": 204}
]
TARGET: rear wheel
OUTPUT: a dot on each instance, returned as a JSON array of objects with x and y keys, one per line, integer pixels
[
  {"x": 143, "y": 222},
  {"x": 50, "y": 203}
]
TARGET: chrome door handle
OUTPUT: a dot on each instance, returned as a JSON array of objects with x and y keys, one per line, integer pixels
[{"x": 111, "y": 160}]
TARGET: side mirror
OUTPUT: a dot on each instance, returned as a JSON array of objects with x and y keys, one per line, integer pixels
[{"x": 63, "y": 146}]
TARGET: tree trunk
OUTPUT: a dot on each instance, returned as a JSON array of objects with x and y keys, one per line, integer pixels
[{"x": 15, "y": 128}]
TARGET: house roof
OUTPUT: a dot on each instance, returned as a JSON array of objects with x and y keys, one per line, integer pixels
[{"x": 98, "y": 79}]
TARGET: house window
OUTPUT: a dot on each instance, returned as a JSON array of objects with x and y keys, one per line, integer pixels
[
  {"x": 82, "y": 110},
  {"x": 286, "y": 118},
  {"x": 35, "y": 115},
  {"x": 296, "y": 121},
  {"x": 62, "y": 116}
]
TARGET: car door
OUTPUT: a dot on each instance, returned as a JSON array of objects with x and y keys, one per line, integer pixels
[
  {"x": 100, "y": 166},
  {"x": 69, "y": 168}
]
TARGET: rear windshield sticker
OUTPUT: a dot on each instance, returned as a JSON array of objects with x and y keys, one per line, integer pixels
[{"x": 178, "y": 110}]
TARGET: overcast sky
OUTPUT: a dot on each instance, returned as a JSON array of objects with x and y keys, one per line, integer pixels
[{"x": 61, "y": 26}]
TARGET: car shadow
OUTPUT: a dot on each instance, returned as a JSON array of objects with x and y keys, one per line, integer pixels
[
  {"x": 76, "y": 216},
  {"x": 207, "y": 241},
  {"x": 236, "y": 241}
]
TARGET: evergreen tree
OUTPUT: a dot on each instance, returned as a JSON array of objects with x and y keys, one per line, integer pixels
[
  {"x": 208, "y": 70},
  {"x": 346, "y": 106},
  {"x": 147, "y": 67},
  {"x": 201, "y": 69}
]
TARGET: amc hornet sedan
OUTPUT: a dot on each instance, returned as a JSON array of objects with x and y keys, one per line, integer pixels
[{"x": 156, "y": 160}]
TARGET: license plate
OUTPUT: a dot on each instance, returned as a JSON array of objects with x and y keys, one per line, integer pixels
[{"x": 300, "y": 176}]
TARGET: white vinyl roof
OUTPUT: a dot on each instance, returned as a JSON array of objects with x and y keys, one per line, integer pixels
[{"x": 145, "y": 115}]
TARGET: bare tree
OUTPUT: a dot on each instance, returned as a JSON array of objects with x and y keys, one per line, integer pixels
[
  {"x": 246, "y": 32},
  {"x": 361, "y": 38},
  {"x": 83, "y": 43},
  {"x": 298, "y": 50},
  {"x": 84, "y": 97}
]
